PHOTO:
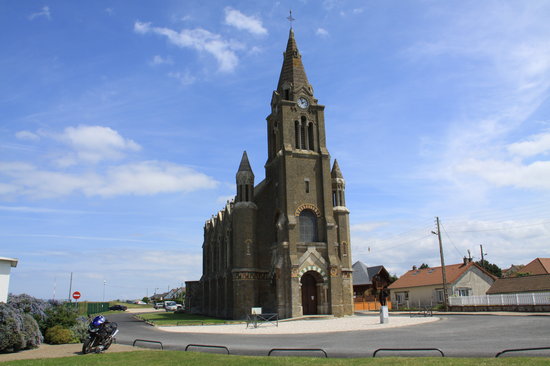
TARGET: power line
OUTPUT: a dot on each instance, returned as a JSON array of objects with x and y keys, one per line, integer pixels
[
  {"x": 406, "y": 242},
  {"x": 451, "y": 240},
  {"x": 501, "y": 229}
]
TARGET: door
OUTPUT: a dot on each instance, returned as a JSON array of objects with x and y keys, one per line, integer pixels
[{"x": 309, "y": 294}]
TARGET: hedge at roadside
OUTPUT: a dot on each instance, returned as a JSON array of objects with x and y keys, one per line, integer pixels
[
  {"x": 24, "y": 320},
  {"x": 17, "y": 330}
]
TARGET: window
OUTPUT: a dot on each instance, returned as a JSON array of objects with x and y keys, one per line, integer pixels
[
  {"x": 463, "y": 292},
  {"x": 308, "y": 226},
  {"x": 310, "y": 136},
  {"x": 297, "y": 134},
  {"x": 402, "y": 297},
  {"x": 307, "y": 185},
  {"x": 439, "y": 295},
  {"x": 302, "y": 134}
]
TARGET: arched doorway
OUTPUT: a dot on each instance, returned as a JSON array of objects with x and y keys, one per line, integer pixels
[{"x": 310, "y": 296}]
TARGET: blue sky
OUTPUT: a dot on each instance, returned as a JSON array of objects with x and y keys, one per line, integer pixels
[{"x": 123, "y": 124}]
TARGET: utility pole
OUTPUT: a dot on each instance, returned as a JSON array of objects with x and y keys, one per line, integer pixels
[
  {"x": 444, "y": 272},
  {"x": 482, "y": 254},
  {"x": 104, "y": 283},
  {"x": 71, "y": 287}
]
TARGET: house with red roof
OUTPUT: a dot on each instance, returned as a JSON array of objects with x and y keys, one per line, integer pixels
[
  {"x": 424, "y": 287},
  {"x": 537, "y": 266}
]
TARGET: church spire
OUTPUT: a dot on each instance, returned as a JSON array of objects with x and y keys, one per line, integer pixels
[
  {"x": 245, "y": 181},
  {"x": 293, "y": 74},
  {"x": 245, "y": 165},
  {"x": 336, "y": 172}
]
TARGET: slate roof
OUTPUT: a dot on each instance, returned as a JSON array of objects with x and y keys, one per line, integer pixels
[
  {"x": 537, "y": 266},
  {"x": 336, "y": 172},
  {"x": 535, "y": 283},
  {"x": 434, "y": 276},
  {"x": 362, "y": 275},
  {"x": 244, "y": 166},
  {"x": 293, "y": 70}
]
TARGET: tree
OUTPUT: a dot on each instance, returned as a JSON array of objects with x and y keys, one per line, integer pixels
[
  {"x": 146, "y": 300},
  {"x": 393, "y": 278},
  {"x": 423, "y": 266},
  {"x": 491, "y": 268}
]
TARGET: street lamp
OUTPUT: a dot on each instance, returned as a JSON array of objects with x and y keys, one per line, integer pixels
[{"x": 104, "y": 283}]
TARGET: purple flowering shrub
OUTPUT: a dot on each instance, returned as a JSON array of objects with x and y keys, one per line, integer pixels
[{"x": 17, "y": 330}]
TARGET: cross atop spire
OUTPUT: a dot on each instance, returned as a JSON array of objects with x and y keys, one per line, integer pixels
[{"x": 290, "y": 18}]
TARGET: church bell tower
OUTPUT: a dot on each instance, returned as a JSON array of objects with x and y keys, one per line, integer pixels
[{"x": 313, "y": 229}]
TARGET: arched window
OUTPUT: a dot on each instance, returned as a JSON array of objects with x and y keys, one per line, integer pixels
[
  {"x": 297, "y": 133},
  {"x": 302, "y": 136},
  {"x": 310, "y": 136},
  {"x": 308, "y": 226}
]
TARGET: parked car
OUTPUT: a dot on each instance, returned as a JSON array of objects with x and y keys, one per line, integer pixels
[
  {"x": 158, "y": 305},
  {"x": 172, "y": 306},
  {"x": 118, "y": 307}
]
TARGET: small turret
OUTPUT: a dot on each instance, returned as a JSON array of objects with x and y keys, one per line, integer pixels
[
  {"x": 338, "y": 186},
  {"x": 245, "y": 181}
]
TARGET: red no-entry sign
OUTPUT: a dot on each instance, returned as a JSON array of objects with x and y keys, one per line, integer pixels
[{"x": 76, "y": 295}]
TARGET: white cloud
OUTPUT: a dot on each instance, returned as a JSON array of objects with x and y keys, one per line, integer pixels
[
  {"x": 27, "y": 135},
  {"x": 29, "y": 180},
  {"x": 321, "y": 32},
  {"x": 143, "y": 178},
  {"x": 238, "y": 20},
  {"x": 185, "y": 78},
  {"x": 508, "y": 82},
  {"x": 198, "y": 39},
  {"x": 509, "y": 173},
  {"x": 159, "y": 60},
  {"x": 45, "y": 12},
  {"x": 534, "y": 145},
  {"x": 368, "y": 226},
  {"x": 94, "y": 144},
  {"x": 151, "y": 177}
]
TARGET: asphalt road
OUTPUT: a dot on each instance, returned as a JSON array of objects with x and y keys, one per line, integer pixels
[{"x": 455, "y": 335}]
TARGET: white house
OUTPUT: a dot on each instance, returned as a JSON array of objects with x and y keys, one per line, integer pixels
[
  {"x": 5, "y": 268},
  {"x": 424, "y": 287}
]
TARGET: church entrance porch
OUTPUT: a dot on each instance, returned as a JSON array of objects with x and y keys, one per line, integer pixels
[{"x": 311, "y": 286}]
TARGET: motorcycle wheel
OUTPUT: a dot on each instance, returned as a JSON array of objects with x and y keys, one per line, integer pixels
[
  {"x": 87, "y": 346},
  {"x": 108, "y": 344}
]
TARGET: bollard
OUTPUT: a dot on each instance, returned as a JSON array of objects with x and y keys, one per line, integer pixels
[{"x": 384, "y": 315}]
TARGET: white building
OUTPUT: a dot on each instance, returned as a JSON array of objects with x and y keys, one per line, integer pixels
[
  {"x": 5, "y": 268},
  {"x": 424, "y": 287}
]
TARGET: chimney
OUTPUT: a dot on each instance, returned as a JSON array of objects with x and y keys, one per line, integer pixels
[
  {"x": 465, "y": 260},
  {"x": 414, "y": 268}
]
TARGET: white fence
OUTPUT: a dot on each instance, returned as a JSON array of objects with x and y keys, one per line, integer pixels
[{"x": 534, "y": 298}]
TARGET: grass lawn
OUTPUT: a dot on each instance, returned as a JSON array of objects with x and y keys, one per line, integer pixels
[
  {"x": 171, "y": 318},
  {"x": 165, "y": 358}
]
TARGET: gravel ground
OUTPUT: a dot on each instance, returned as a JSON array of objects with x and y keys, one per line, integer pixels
[
  {"x": 59, "y": 350},
  {"x": 345, "y": 324}
]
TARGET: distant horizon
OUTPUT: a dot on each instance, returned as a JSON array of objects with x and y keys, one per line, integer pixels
[{"x": 123, "y": 126}]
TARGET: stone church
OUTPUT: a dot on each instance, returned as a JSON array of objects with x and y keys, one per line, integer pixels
[{"x": 283, "y": 244}]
